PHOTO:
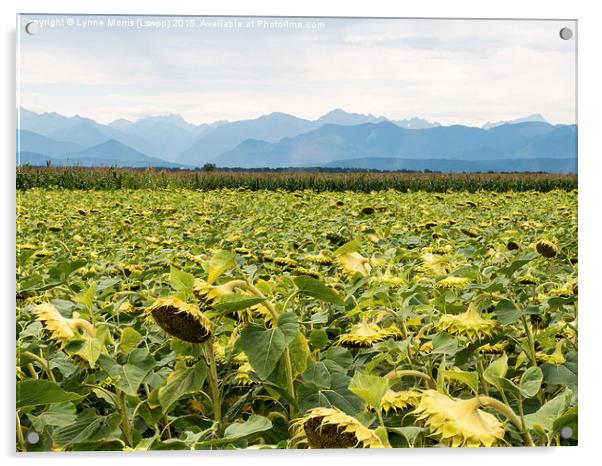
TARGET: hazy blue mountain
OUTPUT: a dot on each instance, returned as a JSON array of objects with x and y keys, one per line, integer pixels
[
  {"x": 33, "y": 158},
  {"x": 341, "y": 117},
  {"x": 271, "y": 128},
  {"x": 535, "y": 117},
  {"x": 28, "y": 141},
  {"x": 114, "y": 152},
  {"x": 415, "y": 123},
  {"x": 457, "y": 166},
  {"x": 108, "y": 153},
  {"x": 385, "y": 140}
]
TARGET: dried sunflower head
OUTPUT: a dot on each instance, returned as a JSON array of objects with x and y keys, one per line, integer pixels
[
  {"x": 181, "y": 320},
  {"x": 452, "y": 282},
  {"x": 459, "y": 422},
  {"x": 435, "y": 264},
  {"x": 546, "y": 248},
  {"x": 353, "y": 262},
  {"x": 469, "y": 324},
  {"x": 393, "y": 400},
  {"x": 496, "y": 348},
  {"x": 332, "y": 428},
  {"x": 243, "y": 375},
  {"x": 61, "y": 329},
  {"x": 364, "y": 335},
  {"x": 319, "y": 259}
]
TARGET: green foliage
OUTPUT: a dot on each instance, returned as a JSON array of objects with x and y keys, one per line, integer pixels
[{"x": 300, "y": 337}]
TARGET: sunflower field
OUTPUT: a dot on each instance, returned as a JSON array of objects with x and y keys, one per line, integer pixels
[{"x": 178, "y": 319}]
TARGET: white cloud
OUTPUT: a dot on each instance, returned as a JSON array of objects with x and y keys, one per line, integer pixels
[{"x": 451, "y": 71}]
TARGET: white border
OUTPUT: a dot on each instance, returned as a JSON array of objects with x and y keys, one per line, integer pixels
[{"x": 590, "y": 233}]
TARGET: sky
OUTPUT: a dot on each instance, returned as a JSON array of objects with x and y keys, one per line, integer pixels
[{"x": 208, "y": 69}]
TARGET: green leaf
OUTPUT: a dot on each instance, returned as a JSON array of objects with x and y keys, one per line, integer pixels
[
  {"x": 264, "y": 348},
  {"x": 131, "y": 375},
  {"x": 496, "y": 371},
  {"x": 371, "y": 388},
  {"x": 507, "y": 313},
  {"x": 130, "y": 338},
  {"x": 559, "y": 375},
  {"x": 86, "y": 297},
  {"x": 317, "y": 391},
  {"x": 89, "y": 427},
  {"x": 299, "y": 354},
  {"x": 87, "y": 347},
  {"x": 444, "y": 343},
  {"x": 182, "y": 382},
  {"x": 59, "y": 414},
  {"x": 316, "y": 289},
  {"x": 182, "y": 282},
  {"x": 241, "y": 430},
  {"x": 530, "y": 382},
  {"x": 235, "y": 302},
  {"x": 350, "y": 246},
  {"x": 410, "y": 433},
  {"x": 550, "y": 411},
  {"x": 318, "y": 339},
  {"x": 468, "y": 378},
  {"x": 38, "y": 392},
  {"x": 218, "y": 264}
]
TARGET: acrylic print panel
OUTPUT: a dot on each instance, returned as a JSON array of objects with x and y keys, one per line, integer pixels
[{"x": 290, "y": 233}]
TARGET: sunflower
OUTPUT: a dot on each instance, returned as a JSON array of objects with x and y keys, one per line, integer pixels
[
  {"x": 364, "y": 335},
  {"x": 469, "y": 323},
  {"x": 452, "y": 282},
  {"x": 496, "y": 348},
  {"x": 243, "y": 375},
  {"x": 393, "y": 400},
  {"x": 181, "y": 320},
  {"x": 332, "y": 428},
  {"x": 394, "y": 282},
  {"x": 546, "y": 248},
  {"x": 459, "y": 422},
  {"x": 436, "y": 265},
  {"x": 319, "y": 259},
  {"x": 61, "y": 329},
  {"x": 527, "y": 280},
  {"x": 556, "y": 357},
  {"x": 353, "y": 262}
]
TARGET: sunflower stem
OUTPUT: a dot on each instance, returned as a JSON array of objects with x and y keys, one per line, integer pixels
[
  {"x": 42, "y": 362},
  {"x": 243, "y": 284},
  {"x": 530, "y": 340},
  {"x": 395, "y": 374},
  {"x": 213, "y": 382},
  {"x": 126, "y": 427},
  {"x": 20, "y": 436},
  {"x": 505, "y": 410},
  {"x": 481, "y": 371}
]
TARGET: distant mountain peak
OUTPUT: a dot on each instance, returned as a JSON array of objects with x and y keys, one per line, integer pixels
[{"x": 536, "y": 117}]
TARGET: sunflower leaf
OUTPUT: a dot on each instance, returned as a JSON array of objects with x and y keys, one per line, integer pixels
[
  {"x": 371, "y": 388},
  {"x": 218, "y": 264},
  {"x": 530, "y": 382},
  {"x": 316, "y": 289}
]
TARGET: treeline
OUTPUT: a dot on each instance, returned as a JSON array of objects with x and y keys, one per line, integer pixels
[{"x": 102, "y": 178}]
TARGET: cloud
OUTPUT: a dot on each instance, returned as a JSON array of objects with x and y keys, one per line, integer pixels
[{"x": 453, "y": 71}]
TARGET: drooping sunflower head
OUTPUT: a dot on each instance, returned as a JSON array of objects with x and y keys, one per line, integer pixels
[
  {"x": 452, "y": 282},
  {"x": 459, "y": 423},
  {"x": 435, "y": 264},
  {"x": 353, "y": 262},
  {"x": 243, "y": 375},
  {"x": 496, "y": 348},
  {"x": 546, "y": 248},
  {"x": 61, "y": 329},
  {"x": 469, "y": 324},
  {"x": 365, "y": 334},
  {"x": 181, "y": 320},
  {"x": 320, "y": 258},
  {"x": 398, "y": 401},
  {"x": 332, "y": 428}
]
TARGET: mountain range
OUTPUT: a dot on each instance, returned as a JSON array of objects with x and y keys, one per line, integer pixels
[{"x": 336, "y": 139}]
